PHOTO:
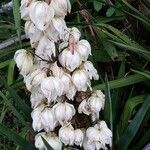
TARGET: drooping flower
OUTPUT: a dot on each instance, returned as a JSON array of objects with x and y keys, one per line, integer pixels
[
  {"x": 48, "y": 119},
  {"x": 24, "y": 8},
  {"x": 84, "y": 48},
  {"x": 66, "y": 134},
  {"x": 70, "y": 60},
  {"x": 41, "y": 14},
  {"x": 84, "y": 108},
  {"x": 61, "y": 7},
  {"x": 90, "y": 70},
  {"x": 24, "y": 61},
  {"x": 79, "y": 137},
  {"x": 35, "y": 78},
  {"x": 52, "y": 87},
  {"x": 36, "y": 117},
  {"x": 81, "y": 80},
  {"x": 33, "y": 33},
  {"x": 64, "y": 112}
]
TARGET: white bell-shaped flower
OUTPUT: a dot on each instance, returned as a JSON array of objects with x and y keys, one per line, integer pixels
[
  {"x": 87, "y": 145},
  {"x": 66, "y": 134},
  {"x": 105, "y": 135},
  {"x": 84, "y": 108},
  {"x": 24, "y": 9},
  {"x": 84, "y": 48},
  {"x": 64, "y": 112},
  {"x": 33, "y": 33},
  {"x": 48, "y": 119},
  {"x": 52, "y": 87},
  {"x": 41, "y": 14},
  {"x": 39, "y": 144},
  {"x": 72, "y": 32},
  {"x": 36, "y": 97},
  {"x": 90, "y": 70},
  {"x": 46, "y": 48},
  {"x": 24, "y": 61},
  {"x": 71, "y": 92},
  {"x": 79, "y": 137},
  {"x": 61, "y": 7},
  {"x": 70, "y": 60},
  {"x": 81, "y": 80},
  {"x": 54, "y": 141},
  {"x": 35, "y": 78},
  {"x": 36, "y": 117}
]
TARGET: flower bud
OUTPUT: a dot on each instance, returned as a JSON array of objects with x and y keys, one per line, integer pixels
[
  {"x": 24, "y": 61},
  {"x": 36, "y": 117},
  {"x": 33, "y": 33},
  {"x": 48, "y": 120},
  {"x": 41, "y": 14},
  {"x": 84, "y": 48},
  {"x": 61, "y": 7},
  {"x": 90, "y": 70},
  {"x": 81, "y": 80},
  {"x": 64, "y": 112},
  {"x": 79, "y": 136},
  {"x": 35, "y": 78},
  {"x": 66, "y": 134},
  {"x": 70, "y": 60},
  {"x": 46, "y": 48},
  {"x": 52, "y": 87},
  {"x": 84, "y": 108}
]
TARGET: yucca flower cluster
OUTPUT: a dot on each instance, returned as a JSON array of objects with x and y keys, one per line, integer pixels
[{"x": 58, "y": 74}]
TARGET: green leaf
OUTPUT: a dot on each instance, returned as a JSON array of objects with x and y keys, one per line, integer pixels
[
  {"x": 110, "y": 11},
  {"x": 133, "y": 127},
  {"x": 144, "y": 73},
  {"x": 46, "y": 144},
  {"x": 4, "y": 64},
  {"x": 17, "y": 17},
  {"x": 122, "y": 82},
  {"x": 97, "y": 5},
  {"x": 127, "y": 112},
  {"x": 10, "y": 76},
  {"x": 16, "y": 138}
]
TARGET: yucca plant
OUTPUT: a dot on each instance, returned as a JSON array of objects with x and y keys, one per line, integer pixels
[{"x": 118, "y": 32}]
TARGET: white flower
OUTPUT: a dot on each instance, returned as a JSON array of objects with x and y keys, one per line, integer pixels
[
  {"x": 35, "y": 78},
  {"x": 46, "y": 48},
  {"x": 84, "y": 108},
  {"x": 64, "y": 112},
  {"x": 70, "y": 60},
  {"x": 52, "y": 87},
  {"x": 56, "y": 71},
  {"x": 81, "y": 80},
  {"x": 79, "y": 136},
  {"x": 84, "y": 48},
  {"x": 48, "y": 119},
  {"x": 36, "y": 117},
  {"x": 69, "y": 88},
  {"x": 24, "y": 61},
  {"x": 100, "y": 135},
  {"x": 61, "y": 7},
  {"x": 60, "y": 26},
  {"x": 33, "y": 33},
  {"x": 66, "y": 134},
  {"x": 87, "y": 145},
  {"x": 41, "y": 14},
  {"x": 24, "y": 8},
  {"x": 90, "y": 70},
  {"x": 36, "y": 97},
  {"x": 54, "y": 141},
  {"x": 72, "y": 32},
  {"x": 39, "y": 144}
]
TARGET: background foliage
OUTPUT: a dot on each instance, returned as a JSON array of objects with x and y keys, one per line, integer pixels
[{"x": 118, "y": 31}]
